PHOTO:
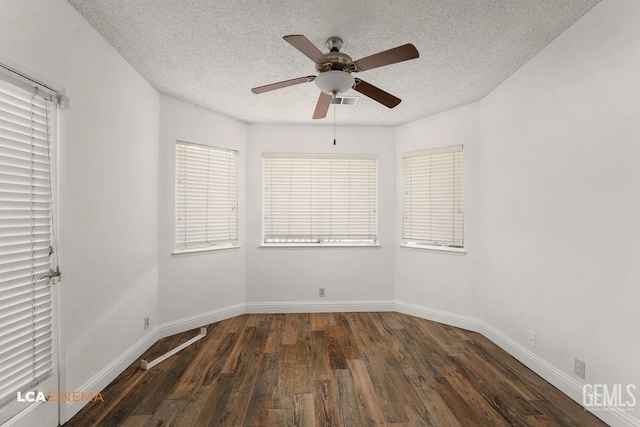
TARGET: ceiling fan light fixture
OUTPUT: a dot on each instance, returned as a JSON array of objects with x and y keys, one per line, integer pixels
[{"x": 334, "y": 82}]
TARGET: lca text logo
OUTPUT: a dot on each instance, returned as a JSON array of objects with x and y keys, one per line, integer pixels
[
  {"x": 58, "y": 396},
  {"x": 603, "y": 397}
]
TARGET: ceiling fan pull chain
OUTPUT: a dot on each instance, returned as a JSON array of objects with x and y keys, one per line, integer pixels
[{"x": 334, "y": 122}]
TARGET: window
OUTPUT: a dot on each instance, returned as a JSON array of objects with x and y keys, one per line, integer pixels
[
  {"x": 320, "y": 199},
  {"x": 26, "y": 331},
  {"x": 432, "y": 201},
  {"x": 206, "y": 197}
]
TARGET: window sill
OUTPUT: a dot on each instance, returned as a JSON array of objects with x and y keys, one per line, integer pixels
[
  {"x": 316, "y": 246},
  {"x": 440, "y": 249},
  {"x": 195, "y": 251}
]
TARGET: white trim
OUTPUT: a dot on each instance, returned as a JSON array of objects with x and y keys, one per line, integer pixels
[
  {"x": 316, "y": 245},
  {"x": 317, "y": 306},
  {"x": 195, "y": 251},
  {"x": 199, "y": 320},
  {"x": 565, "y": 383},
  {"x": 464, "y": 322},
  {"x": 433, "y": 248},
  {"x": 99, "y": 381},
  {"x": 301, "y": 155},
  {"x": 433, "y": 151}
]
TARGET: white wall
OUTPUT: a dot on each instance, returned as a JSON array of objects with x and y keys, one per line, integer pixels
[
  {"x": 559, "y": 194},
  {"x": 108, "y": 181},
  {"x": 196, "y": 284},
  {"x": 348, "y": 274},
  {"x": 439, "y": 280},
  {"x": 552, "y": 177}
]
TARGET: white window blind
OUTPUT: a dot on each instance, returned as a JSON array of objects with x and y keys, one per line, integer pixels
[
  {"x": 320, "y": 199},
  {"x": 25, "y": 241},
  {"x": 206, "y": 197},
  {"x": 432, "y": 205}
]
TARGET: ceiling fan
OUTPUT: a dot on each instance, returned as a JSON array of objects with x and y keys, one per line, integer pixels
[{"x": 335, "y": 68}]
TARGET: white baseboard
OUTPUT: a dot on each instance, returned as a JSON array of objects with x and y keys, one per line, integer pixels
[
  {"x": 202, "y": 319},
  {"x": 463, "y": 322},
  {"x": 546, "y": 370},
  {"x": 317, "y": 306},
  {"x": 110, "y": 372}
]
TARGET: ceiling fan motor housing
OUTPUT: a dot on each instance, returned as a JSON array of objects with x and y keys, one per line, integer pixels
[{"x": 336, "y": 61}]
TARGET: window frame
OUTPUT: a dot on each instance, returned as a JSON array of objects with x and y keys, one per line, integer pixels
[
  {"x": 309, "y": 245},
  {"x": 431, "y": 246},
  {"x": 231, "y": 245}
]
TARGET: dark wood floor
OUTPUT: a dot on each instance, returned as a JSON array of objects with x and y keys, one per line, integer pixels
[{"x": 334, "y": 369}]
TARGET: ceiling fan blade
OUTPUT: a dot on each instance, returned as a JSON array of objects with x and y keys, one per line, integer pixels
[
  {"x": 388, "y": 57},
  {"x": 376, "y": 94},
  {"x": 280, "y": 85},
  {"x": 322, "y": 106},
  {"x": 309, "y": 50}
]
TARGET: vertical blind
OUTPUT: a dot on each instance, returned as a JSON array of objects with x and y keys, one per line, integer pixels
[
  {"x": 206, "y": 196},
  {"x": 432, "y": 202},
  {"x": 320, "y": 199},
  {"x": 25, "y": 241}
]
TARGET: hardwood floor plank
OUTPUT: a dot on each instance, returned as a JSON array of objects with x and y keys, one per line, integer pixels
[
  {"x": 319, "y": 358},
  {"x": 358, "y": 332},
  {"x": 326, "y": 404},
  {"x": 303, "y": 371},
  {"x": 347, "y": 340},
  {"x": 283, "y": 394},
  {"x": 386, "y": 396},
  {"x": 438, "y": 411},
  {"x": 474, "y": 399},
  {"x": 303, "y": 410},
  {"x": 247, "y": 371},
  {"x": 317, "y": 321},
  {"x": 370, "y": 327},
  {"x": 274, "y": 340},
  {"x": 214, "y": 364},
  {"x": 211, "y": 413},
  {"x": 261, "y": 398},
  {"x": 334, "y": 347},
  {"x": 503, "y": 403},
  {"x": 366, "y": 392},
  {"x": 193, "y": 375},
  {"x": 239, "y": 349},
  {"x": 155, "y": 395},
  {"x": 166, "y": 414},
  {"x": 125, "y": 406},
  {"x": 280, "y": 418},
  {"x": 136, "y": 421},
  {"x": 290, "y": 333},
  {"x": 458, "y": 405},
  {"x": 348, "y": 402},
  {"x": 333, "y": 369}
]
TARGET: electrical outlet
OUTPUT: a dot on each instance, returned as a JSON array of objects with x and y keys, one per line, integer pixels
[
  {"x": 146, "y": 323},
  {"x": 579, "y": 368},
  {"x": 321, "y": 292},
  {"x": 532, "y": 339}
]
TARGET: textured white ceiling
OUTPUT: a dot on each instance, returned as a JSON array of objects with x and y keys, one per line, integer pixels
[{"x": 212, "y": 52}]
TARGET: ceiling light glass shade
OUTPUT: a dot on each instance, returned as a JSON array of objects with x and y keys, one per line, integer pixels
[{"x": 335, "y": 81}]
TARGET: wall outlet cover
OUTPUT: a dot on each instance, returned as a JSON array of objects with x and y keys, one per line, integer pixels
[{"x": 580, "y": 368}]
